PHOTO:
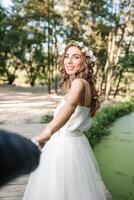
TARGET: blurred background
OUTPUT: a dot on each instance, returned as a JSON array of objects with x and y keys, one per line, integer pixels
[{"x": 33, "y": 34}]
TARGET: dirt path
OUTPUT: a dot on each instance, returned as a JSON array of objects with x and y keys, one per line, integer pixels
[{"x": 25, "y": 105}]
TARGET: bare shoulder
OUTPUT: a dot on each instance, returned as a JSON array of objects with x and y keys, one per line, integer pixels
[
  {"x": 76, "y": 91},
  {"x": 78, "y": 84}
]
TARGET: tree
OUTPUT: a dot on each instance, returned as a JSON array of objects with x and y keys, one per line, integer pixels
[{"x": 116, "y": 38}]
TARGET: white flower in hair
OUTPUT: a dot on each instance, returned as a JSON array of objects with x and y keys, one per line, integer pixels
[
  {"x": 80, "y": 44},
  {"x": 91, "y": 55},
  {"x": 93, "y": 58}
]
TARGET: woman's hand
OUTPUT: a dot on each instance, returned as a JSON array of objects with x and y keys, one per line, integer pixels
[{"x": 44, "y": 136}]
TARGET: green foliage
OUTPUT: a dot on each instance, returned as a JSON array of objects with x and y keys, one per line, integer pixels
[
  {"x": 105, "y": 117},
  {"x": 46, "y": 118},
  {"x": 33, "y": 31},
  {"x": 127, "y": 61}
]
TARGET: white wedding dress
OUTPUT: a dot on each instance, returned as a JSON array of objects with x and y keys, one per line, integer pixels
[{"x": 68, "y": 169}]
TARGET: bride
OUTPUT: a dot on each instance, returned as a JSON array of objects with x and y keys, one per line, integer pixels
[{"x": 68, "y": 169}]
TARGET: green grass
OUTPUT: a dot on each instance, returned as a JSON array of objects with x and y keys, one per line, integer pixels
[
  {"x": 46, "y": 118},
  {"x": 105, "y": 117}
]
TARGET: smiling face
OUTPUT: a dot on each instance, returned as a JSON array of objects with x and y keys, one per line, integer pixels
[{"x": 73, "y": 60}]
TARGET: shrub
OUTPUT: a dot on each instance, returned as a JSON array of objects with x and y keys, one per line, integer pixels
[{"x": 46, "y": 118}]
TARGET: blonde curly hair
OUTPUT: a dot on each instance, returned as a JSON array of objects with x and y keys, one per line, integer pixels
[{"x": 86, "y": 73}]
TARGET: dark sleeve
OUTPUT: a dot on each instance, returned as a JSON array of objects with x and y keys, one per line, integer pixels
[{"x": 18, "y": 156}]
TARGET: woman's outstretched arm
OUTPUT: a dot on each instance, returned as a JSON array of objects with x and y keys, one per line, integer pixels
[{"x": 73, "y": 99}]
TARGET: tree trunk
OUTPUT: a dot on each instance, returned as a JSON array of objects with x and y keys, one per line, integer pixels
[
  {"x": 118, "y": 83},
  {"x": 48, "y": 49},
  {"x": 55, "y": 61},
  {"x": 108, "y": 83}
]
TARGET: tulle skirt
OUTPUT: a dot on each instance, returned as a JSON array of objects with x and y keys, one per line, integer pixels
[{"x": 67, "y": 171}]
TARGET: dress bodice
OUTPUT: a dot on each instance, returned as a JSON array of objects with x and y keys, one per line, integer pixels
[{"x": 80, "y": 120}]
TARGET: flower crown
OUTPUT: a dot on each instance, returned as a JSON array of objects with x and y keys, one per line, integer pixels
[{"x": 84, "y": 50}]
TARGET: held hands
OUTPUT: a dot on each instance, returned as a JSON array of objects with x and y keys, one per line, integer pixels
[{"x": 42, "y": 138}]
